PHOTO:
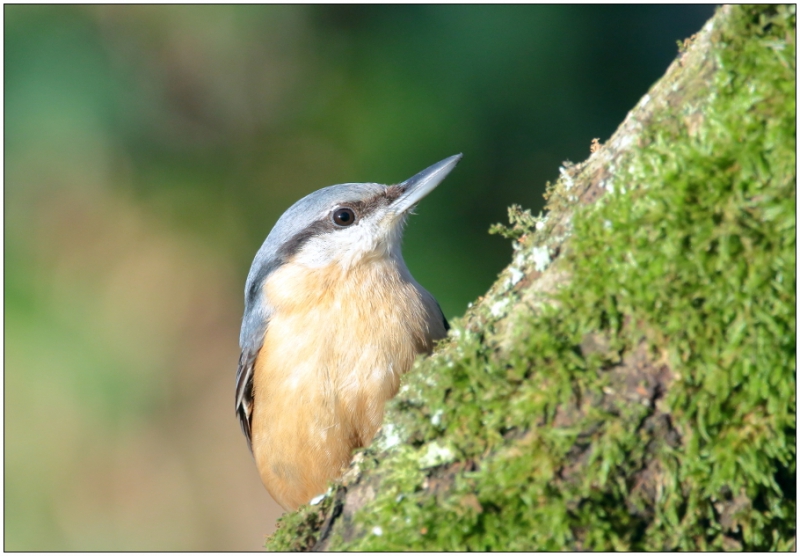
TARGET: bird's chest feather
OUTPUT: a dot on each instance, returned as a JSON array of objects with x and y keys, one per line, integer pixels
[{"x": 338, "y": 342}]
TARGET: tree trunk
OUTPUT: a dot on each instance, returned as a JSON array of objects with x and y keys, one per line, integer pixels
[{"x": 628, "y": 383}]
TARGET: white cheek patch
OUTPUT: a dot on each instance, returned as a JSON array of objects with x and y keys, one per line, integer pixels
[{"x": 345, "y": 246}]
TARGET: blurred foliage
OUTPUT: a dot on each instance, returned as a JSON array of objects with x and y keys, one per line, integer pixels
[{"x": 148, "y": 151}]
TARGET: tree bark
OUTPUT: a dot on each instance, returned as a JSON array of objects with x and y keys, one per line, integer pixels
[{"x": 629, "y": 380}]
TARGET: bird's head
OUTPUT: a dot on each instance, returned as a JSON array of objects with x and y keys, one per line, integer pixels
[
  {"x": 343, "y": 224},
  {"x": 347, "y": 223}
]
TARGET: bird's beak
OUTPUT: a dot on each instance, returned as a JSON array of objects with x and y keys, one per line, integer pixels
[{"x": 416, "y": 187}]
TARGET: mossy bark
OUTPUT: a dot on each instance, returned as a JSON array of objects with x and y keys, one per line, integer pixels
[{"x": 628, "y": 383}]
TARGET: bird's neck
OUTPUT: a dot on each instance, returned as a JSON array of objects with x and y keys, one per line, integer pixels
[{"x": 297, "y": 287}]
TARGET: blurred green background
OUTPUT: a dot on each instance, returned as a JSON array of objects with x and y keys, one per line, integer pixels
[{"x": 149, "y": 150}]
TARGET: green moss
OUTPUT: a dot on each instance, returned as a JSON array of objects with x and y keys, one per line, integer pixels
[
  {"x": 689, "y": 260},
  {"x": 522, "y": 223},
  {"x": 297, "y": 531}
]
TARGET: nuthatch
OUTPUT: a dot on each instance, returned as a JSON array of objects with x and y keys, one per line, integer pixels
[{"x": 332, "y": 320}]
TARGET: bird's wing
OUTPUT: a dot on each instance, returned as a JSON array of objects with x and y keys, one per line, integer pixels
[
  {"x": 244, "y": 391},
  {"x": 255, "y": 321},
  {"x": 444, "y": 318}
]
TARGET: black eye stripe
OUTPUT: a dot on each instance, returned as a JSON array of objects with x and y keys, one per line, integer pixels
[
  {"x": 293, "y": 245},
  {"x": 362, "y": 209},
  {"x": 366, "y": 207}
]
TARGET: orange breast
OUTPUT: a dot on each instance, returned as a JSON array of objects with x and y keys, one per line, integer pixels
[{"x": 335, "y": 348}]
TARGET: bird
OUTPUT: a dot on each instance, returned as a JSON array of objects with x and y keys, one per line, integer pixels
[{"x": 332, "y": 320}]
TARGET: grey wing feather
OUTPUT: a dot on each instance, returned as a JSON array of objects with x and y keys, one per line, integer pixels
[
  {"x": 251, "y": 338},
  {"x": 244, "y": 392}
]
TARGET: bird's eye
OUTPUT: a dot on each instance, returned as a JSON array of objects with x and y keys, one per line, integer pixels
[{"x": 344, "y": 216}]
